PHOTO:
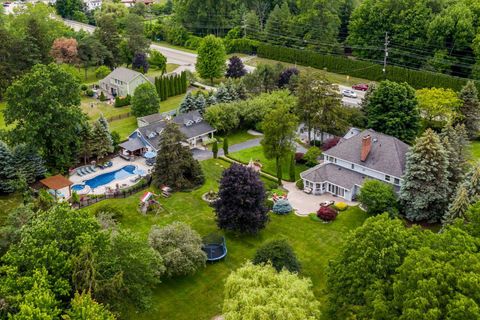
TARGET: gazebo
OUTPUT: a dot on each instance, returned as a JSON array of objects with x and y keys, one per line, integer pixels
[
  {"x": 131, "y": 148},
  {"x": 58, "y": 186}
]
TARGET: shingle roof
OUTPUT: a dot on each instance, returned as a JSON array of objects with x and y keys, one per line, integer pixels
[
  {"x": 151, "y": 118},
  {"x": 123, "y": 74},
  {"x": 388, "y": 154},
  {"x": 335, "y": 174},
  {"x": 132, "y": 144},
  {"x": 56, "y": 182}
]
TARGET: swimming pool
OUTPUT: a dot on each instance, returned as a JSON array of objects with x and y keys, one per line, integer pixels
[{"x": 106, "y": 178}]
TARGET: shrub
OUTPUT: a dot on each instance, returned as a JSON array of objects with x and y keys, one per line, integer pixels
[
  {"x": 115, "y": 212},
  {"x": 299, "y": 184},
  {"x": 122, "y": 101},
  {"x": 313, "y": 216},
  {"x": 282, "y": 206},
  {"x": 316, "y": 143},
  {"x": 89, "y": 93},
  {"x": 102, "y": 96},
  {"x": 269, "y": 204},
  {"x": 83, "y": 87},
  {"x": 311, "y": 157},
  {"x": 330, "y": 143},
  {"x": 299, "y": 157},
  {"x": 102, "y": 71},
  {"x": 327, "y": 213},
  {"x": 193, "y": 42},
  {"x": 341, "y": 206},
  {"x": 271, "y": 185},
  {"x": 280, "y": 254}
]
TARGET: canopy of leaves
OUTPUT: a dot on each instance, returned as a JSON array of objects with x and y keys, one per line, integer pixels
[
  {"x": 378, "y": 197},
  {"x": 211, "y": 58},
  {"x": 279, "y": 254},
  {"x": 145, "y": 100}
]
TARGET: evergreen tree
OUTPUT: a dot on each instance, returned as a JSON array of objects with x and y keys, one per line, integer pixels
[
  {"x": 7, "y": 169},
  {"x": 211, "y": 99},
  {"x": 240, "y": 206},
  {"x": 279, "y": 25},
  {"x": 86, "y": 145},
  {"x": 236, "y": 68},
  {"x": 188, "y": 103},
  {"x": 225, "y": 146},
  {"x": 184, "y": 80},
  {"x": 222, "y": 95},
  {"x": 215, "y": 149},
  {"x": 470, "y": 109},
  {"x": 200, "y": 103},
  {"x": 28, "y": 163},
  {"x": 102, "y": 143},
  {"x": 472, "y": 183},
  {"x": 175, "y": 166},
  {"x": 424, "y": 192},
  {"x": 458, "y": 207}
]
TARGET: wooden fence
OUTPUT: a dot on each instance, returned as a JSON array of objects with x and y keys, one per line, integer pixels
[{"x": 119, "y": 116}]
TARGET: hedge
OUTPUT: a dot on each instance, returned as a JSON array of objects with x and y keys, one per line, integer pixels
[
  {"x": 361, "y": 69},
  {"x": 171, "y": 85},
  {"x": 243, "y": 45}
]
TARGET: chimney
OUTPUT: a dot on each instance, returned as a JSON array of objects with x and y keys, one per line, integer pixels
[{"x": 366, "y": 147}]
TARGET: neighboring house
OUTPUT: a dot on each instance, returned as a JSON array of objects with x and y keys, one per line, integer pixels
[
  {"x": 131, "y": 3},
  {"x": 149, "y": 133},
  {"x": 302, "y": 132},
  {"x": 367, "y": 155},
  {"x": 122, "y": 82},
  {"x": 92, "y": 4}
]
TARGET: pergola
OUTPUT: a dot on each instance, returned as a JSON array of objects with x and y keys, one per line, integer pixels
[
  {"x": 133, "y": 147},
  {"x": 59, "y": 185}
]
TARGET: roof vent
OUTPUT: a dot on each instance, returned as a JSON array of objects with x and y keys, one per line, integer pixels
[{"x": 366, "y": 147}]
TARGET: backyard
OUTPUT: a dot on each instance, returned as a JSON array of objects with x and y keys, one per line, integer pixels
[{"x": 200, "y": 296}]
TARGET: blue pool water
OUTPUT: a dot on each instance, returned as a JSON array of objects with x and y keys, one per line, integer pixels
[
  {"x": 78, "y": 187},
  {"x": 106, "y": 178}
]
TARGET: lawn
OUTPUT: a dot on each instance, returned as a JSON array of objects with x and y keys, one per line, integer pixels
[
  {"x": 94, "y": 108},
  {"x": 333, "y": 77},
  {"x": 8, "y": 203},
  {"x": 234, "y": 138},
  {"x": 268, "y": 166},
  {"x": 124, "y": 126},
  {"x": 475, "y": 150},
  {"x": 154, "y": 72},
  {"x": 200, "y": 296}
]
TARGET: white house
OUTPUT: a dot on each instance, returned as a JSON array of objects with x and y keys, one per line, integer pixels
[
  {"x": 122, "y": 82},
  {"x": 92, "y": 4},
  {"x": 367, "y": 155}
]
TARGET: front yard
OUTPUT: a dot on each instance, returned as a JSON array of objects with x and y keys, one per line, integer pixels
[{"x": 200, "y": 296}]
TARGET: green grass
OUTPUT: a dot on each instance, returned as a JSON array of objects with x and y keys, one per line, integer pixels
[
  {"x": 268, "y": 166},
  {"x": 154, "y": 72},
  {"x": 333, "y": 77},
  {"x": 234, "y": 138},
  {"x": 91, "y": 78},
  {"x": 100, "y": 108},
  {"x": 124, "y": 127},
  {"x": 7, "y": 204},
  {"x": 475, "y": 150},
  {"x": 200, "y": 296}
]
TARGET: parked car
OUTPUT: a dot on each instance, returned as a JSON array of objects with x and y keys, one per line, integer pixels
[
  {"x": 349, "y": 93},
  {"x": 360, "y": 86}
]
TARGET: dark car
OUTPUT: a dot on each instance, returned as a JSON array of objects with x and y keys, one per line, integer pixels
[{"x": 360, "y": 86}]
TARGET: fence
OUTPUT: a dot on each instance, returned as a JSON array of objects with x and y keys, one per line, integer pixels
[
  {"x": 119, "y": 116},
  {"x": 117, "y": 194}
]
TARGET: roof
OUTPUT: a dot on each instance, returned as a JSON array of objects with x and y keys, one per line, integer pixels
[
  {"x": 191, "y": 124},
  {"x": 56, "y": 182},
  {"x": 387, "y": 155},
  {"x": 352, "y": 132},
  {"x": 132, "y": 144},
  {"x": 334, "y": 174},
  {"x": 151, "y": 118},
  {"x": 123, "y": 74}
]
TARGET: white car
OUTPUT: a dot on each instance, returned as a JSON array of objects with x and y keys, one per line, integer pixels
[{"x": 349, "y": 93}]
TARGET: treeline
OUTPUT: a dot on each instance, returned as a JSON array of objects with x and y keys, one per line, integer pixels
[
  {"x": 361, "y": 69},
  {"x": 171, "y": 85}
]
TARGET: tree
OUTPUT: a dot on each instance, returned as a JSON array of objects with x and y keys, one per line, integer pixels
[
  {"x": 215, "y": 149},
  {"x": 425, "y": 189},
  {"x": 291, "y": 171},
  {"x": 145, "y": 100},
  {"x": 279, "y": 132},
  {"x": 108, "y": 35},
  {"x": 92, "y": 53},
  {"x": 327, "y": 213},
  {"x": 286, "y": 75},
  {"x": 378, "y": 197},
  {"x": 46, "y": 93},
  {"x": 68, "y": 8},
  {"x": 140, "y": 62},
  {"x": 282, "y": 206},
  {"x": 28, "y": 163},
  {"x": 392, "y": 109},
  {"x": 64, "y": 50},
  {"x": 438, "y": 106},
  {"x": 211, "y": 58},
  {"x": 135, "y": 35},
  {"x": 274, "y": 292},
  {"x": 472, "y": 182},
  {"x": 311, "y": 156},
  {"x": 158, "y": 60},
  {"x": 102, "y": 71},
  {"x": 200, "y": 103},
  {"x": 278, "y": 29},
  {"x": 188, "y": 103},
  {"x": 263, "y": 79},
  {"x": 223, "y": 117},
  {"x": 240, "y": 206},
  {"x": 279, "y": 254},
  {"x": 225, "y": 146},
  {"x": 470, "y": 109},
  {"x": 236, "y": 68},
  {"x": 175, "y": 166},
  {"x": 7, "y": 170},
  {"x": 180, "y": 247},
  {"x": 84, "y": 307},
  {"x": 458, "y": 207},
  {"x": 102, "y": 143}
]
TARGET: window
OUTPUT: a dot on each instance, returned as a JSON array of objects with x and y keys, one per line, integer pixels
[
  {"x": 387, "y": 178},
  {"x": 353, "y": 166},
  {"x": 396, "y": 181},
  {"x": 318, "y": 185}
]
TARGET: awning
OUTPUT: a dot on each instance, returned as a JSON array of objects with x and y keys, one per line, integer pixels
[{"x": 132, "y": 145}]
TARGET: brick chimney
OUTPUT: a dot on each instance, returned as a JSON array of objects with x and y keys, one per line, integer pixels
[{"x": 366, "y": 147}]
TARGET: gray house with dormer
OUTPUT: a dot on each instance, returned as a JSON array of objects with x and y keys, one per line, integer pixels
[
  {"x": 122, "y": 82},
  {"x": 366, "y": 155}
]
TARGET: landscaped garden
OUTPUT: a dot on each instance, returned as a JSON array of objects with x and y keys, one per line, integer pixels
[{"x": 200, "y": 296}]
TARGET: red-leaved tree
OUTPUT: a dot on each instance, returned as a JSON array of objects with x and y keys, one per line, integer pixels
[
  {"x": 64, "y": 50},
  {"x": 330, "y": 143},
  {"x": 327, "y": 213}
]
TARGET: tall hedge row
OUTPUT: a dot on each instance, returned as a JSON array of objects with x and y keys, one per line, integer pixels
[
  {"x": 171, "y": 85},
  {"x": 361, "y": 69}
]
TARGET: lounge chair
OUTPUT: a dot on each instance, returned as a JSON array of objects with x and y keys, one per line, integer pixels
[
  {"x": 87, "y": 170},
  {"x": 108, "y": 164},
  {"x": 93, "y": 168},
  {"x": 79, "y": 172},
  {"x": 136, "y": 178}
]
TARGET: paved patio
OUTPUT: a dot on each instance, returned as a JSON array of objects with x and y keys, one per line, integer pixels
[
  {"x": 117, "y": 164},
  {"x": 304, "y": 203}
]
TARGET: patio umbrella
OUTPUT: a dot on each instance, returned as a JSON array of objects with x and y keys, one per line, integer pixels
[{"x": 150, "y": 155}]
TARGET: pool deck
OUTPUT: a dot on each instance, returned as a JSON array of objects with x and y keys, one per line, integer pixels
[{"x": 118, "y": 163}]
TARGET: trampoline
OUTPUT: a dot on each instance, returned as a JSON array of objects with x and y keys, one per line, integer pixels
[{"x": 214, "y": 246}]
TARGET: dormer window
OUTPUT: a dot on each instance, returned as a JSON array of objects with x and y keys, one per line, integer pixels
[
  {"x": 198, "y": 120},
  {"x": 189, "y": 123},
  {"x": 152, "y": 135}
]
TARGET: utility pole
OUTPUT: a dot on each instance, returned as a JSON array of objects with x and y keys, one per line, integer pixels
[{"x": 387, "y": 42}]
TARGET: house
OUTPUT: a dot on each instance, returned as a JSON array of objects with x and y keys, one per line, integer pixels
[
  {"x": 367, "y": 155},
  {"x": 92, "y": 4},
  {"x": 131, "y": 3},
  {"x": 148, "y": 135},
  {"x": 122, "y": 82}
]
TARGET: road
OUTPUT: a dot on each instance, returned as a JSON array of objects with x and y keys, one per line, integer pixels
[{"x": 187, "y": 60}]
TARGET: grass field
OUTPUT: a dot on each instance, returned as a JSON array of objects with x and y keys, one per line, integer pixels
[
  {"x": 153, "y": 72},
  {"x": 268, "y": 166},
  {"x": 200, "y": 296},
  {"x": 475, "y": 150}
]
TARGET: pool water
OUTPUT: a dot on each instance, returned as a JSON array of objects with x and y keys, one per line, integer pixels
[
  {"x": 78, "y": 187},
  {"x": 106, "y": 178}
]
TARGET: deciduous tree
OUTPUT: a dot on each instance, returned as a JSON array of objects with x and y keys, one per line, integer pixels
[
  {"x": 211, "y": 58},
  {"x": 83, "y": 306},
  {"x": 378, "y": 197},
  {"x": 236, "y": 68},
  {"x": 145, "y": 100},
  {"x": 279, "y": 253},
  {"x": 64, "y": 50}
]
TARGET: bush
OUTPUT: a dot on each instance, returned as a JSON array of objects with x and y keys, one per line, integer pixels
[
  {"x": 341, "y": 206},
  {"x": 122, "y": 101},
  {"x": 269, "y": 204},
  {"x": 311, "y": 157},
  {"x": 83, "y": 87},
  {"x": 102, "y": 71},
  {"x": 102, "y": 96},
  {"x": 330, "y": 143},
  {"x": 282, "y": 206},
  {"x": 89, "y": 93},
  {"x": 299, "y": 157},
  {"x": 247, "y": 46},
  {"x": 299, "y": 184},
  {"x": 193, "y": 42},
  {"x": 327, "y": 213},
  {"x": 315, "y": 143},
  {"x": 313, "y": 216},
  {"x": 270, "y": 185},
  {"x": 114, "y": 212},
  {"x": 280, "y": 254}
]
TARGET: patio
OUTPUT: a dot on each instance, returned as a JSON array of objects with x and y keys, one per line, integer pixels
[
  {"x": 117, "y": 163},
  {"x": 304, "y": 203}
]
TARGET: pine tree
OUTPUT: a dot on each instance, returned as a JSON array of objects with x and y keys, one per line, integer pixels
[
  {"x": 171, "y": 87},
  {"x": 86, "y": 145},
  {"x": 458, "y": 207},
  {"x": 472, "y": 183},
  {"x": 279, "y": 25},
  {"x": 102, "y": 143},
  {"x": 184, "y": 81},
  {"x": 424, "y": 192},
  {"x": 211, "y": 99},
  {"x": 28, "y": 163},
  {"x": 222, "y": 95},
  {"x": 175, "y": 165},
  {"x": 7, "y": 169},
  {"x": 163, "y": 89},
  {"x": 292, "y": 168},
  {"x": 188, "y": 103},
  {"x": 215, "y": 149},
  {"x": 470, "y": 109},
  {"x": 225, "y": 146},
  {"x": 200, "y": 103}
]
